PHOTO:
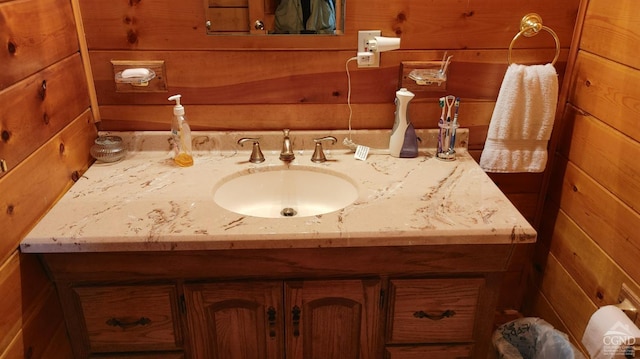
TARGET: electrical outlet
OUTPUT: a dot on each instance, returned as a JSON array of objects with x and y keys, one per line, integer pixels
[{"x": 363, "y": 46}]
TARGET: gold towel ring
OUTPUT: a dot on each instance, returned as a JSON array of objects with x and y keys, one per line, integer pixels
[{"x": 530, "y": 25}]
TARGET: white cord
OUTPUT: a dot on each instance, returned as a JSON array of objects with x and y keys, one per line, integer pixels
[{"x": 349, "y": 143}]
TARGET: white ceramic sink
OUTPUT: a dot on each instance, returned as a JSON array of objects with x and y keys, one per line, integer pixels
[{"x": 285, "y": 192}]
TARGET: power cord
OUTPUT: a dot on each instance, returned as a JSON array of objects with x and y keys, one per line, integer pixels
[{"x": 347, "y": 141}]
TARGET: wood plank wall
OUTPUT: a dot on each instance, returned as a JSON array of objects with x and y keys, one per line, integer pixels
[
  {"x": 300, "y": 82},
  {"x": 590, "y": 242},
  {"x": 46, "y": 130}
]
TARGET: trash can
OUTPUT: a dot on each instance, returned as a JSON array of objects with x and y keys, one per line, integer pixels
[{"x": 533, "y": 338}]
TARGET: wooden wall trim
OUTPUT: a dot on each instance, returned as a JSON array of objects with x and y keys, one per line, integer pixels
[{"x": 84, "y": 54}]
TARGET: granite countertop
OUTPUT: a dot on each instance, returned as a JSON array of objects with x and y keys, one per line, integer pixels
[{"x": 147, "y": 203}]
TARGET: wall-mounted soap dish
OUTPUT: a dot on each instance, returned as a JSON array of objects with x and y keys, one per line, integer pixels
[{"x": 135, "y": 76}]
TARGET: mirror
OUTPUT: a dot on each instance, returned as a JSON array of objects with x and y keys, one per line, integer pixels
[{"x": 275, "y": 17}]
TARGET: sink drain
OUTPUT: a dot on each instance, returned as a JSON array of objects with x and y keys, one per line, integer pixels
[{"x": 288, "y": 212}]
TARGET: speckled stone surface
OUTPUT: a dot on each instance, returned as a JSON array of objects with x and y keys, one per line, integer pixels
[{"x": 147, "y": 203}]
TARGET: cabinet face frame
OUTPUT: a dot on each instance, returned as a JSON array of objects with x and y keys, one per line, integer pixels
[{"x": 69, "y": 270}]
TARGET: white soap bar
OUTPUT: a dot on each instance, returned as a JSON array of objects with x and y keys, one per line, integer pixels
[{"x": 137, "y": 72}]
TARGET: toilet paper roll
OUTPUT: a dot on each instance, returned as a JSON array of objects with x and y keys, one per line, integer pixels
[{"x": 609, "y": 333}]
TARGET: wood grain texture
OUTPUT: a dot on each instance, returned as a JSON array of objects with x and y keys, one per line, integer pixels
[
  {"x": 32, "y": 187},
  {"x": 608, "y": 91},
  {"x": 596, "y": 273},
  {"x": 130, "y": 318},
  {"x": 605, "y": 154},
  {"x": 593, "y": 195},
  {"x": 603, "y": 217},
  {"x": 433, "y": 297},
  {"x": 38, "y": 107},
  {"x": 334, "y": 262},
  {"x": 22, "y": 282},
  {"x": 34, "y": 35},
  {"x": 436, "y": 24},
  {"x": 567, "y": 297},
  {"x": 613, "y": 29},
  {"x": 38, "y": 328}
]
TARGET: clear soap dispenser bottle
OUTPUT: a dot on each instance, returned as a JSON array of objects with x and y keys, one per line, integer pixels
[{"x": 181, "y": 133}]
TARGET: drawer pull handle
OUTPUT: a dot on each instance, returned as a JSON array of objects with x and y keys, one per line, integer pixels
[
  {"x": 113, "y": 322},
  {"x": 295, "y": 312},
  {"x": 446, "y": 314},
  {"x": 271, "y": 316}
]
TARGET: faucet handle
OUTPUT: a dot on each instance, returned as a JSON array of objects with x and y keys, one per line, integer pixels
[
  {"x": 318, "y": 155},
  {"x": 256, "y": 153}
]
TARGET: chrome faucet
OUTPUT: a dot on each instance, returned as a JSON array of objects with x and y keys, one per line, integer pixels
[{"x": 287, "y": 153}]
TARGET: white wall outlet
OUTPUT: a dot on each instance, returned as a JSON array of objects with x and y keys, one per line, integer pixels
[{"x": 363, "y": 46}]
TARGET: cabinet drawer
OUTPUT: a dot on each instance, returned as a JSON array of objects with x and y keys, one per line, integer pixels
[
  {"x": 429, "y": 351},
  {"x": 130, "y": 318},
  {"x": 141, "y": 356},
  {"x": 433, "y": 310}
]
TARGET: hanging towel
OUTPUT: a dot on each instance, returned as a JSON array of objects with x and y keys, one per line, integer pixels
[{"x": 522, "y": 120}]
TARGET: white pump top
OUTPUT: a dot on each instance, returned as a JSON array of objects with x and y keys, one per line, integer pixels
[{"x": 178, "y": 109}]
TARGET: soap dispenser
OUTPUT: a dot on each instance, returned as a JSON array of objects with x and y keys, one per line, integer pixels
[
  {"x": 181, "y": 133},
  {"x": 403, "y": 142}
]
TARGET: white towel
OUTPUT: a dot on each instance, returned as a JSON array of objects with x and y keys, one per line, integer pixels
[{"x": 522, "y": 120}]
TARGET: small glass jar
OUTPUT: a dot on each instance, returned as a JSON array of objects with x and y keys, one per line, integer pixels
[{"x": 108, "y": 149}]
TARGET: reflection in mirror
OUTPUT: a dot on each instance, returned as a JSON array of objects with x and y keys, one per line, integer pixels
[{"x": 266, "y": 17}]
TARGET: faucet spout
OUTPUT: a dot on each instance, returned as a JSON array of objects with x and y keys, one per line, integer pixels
[{"x": 287, "y": 152}]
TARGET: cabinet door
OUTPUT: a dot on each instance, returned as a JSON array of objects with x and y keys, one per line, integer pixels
[
  {"x": 235, "y": 320},
  {"x": 333, "y": 319}
]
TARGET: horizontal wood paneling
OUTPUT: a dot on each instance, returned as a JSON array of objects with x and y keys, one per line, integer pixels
[
  {"x": 608, "y": 91},
  {"x": 43, "y": 89},
  {"x": 296, "y": 77},
  {"x": 38, "y": 329},
  {"x": 594, "y": 245},
  {"x": 567, "y": 297},
  {"x": 30, "y": 189},
  {"x": 610, "y": 158},
  {"x": 21, "y": 282},
  {"x": 612, "y": 30},
  {"x": 440, "y": 24},
  {"x": 596, "y": 273},
  {"x": 424, "y": 114},
  {"x": 34, "y": 35},
  {"x": 602, "y": 216},
  {"x": 39, "y": 106}
]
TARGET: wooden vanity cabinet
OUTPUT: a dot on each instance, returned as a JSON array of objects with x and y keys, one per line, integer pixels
[
  {"x": 294, "y": 319},
  {"x": 331, "y": 303}
]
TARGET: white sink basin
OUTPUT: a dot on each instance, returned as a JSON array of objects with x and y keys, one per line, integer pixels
[{"x": 285, "y": 192}]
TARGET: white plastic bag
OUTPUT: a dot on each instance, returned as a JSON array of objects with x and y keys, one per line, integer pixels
[{"x": 533, "y": 338}]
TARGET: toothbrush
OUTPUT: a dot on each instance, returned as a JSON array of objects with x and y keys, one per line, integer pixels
[
  {"x": 450, "y": 100},
  {"x": 441, "y": 123},
  {"x": 455, "y": 126}
]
